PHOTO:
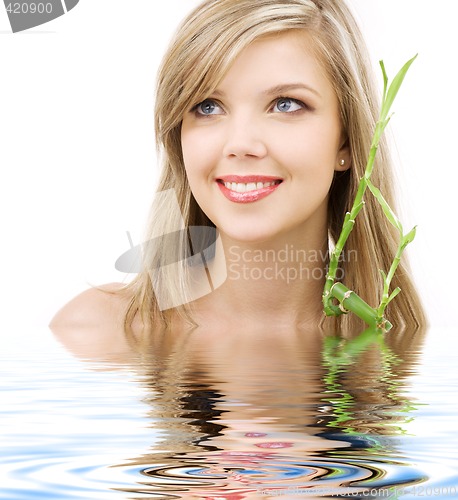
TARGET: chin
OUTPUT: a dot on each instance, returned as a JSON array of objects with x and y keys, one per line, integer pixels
[{"x": 249, "y": 235}]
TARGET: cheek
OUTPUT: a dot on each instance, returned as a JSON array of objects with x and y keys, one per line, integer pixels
[
  {"x": 308, "y": 151},
  {"x": 199, "y": 152}
]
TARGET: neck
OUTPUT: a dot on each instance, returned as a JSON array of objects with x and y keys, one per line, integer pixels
[{"x": 278, "y": 282}]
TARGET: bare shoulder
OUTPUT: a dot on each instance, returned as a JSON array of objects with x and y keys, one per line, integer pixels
[
  {"x": 103, "y": 306},
  {"x": 91, "y": 325}
]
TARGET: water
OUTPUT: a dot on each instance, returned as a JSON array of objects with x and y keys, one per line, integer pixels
[{"x": 229, "y": 417}]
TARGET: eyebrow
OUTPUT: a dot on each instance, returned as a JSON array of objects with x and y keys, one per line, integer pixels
[{"x": 280, "y": 89}]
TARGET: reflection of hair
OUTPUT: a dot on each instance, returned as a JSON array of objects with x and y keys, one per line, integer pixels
[{"x": 200, "y": 54}]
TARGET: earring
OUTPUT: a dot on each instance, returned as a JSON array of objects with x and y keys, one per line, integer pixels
[{"x": 342, "y": 162}]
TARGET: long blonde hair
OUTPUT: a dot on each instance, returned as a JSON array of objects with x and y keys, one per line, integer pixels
[{"x": 200, "y": 54}]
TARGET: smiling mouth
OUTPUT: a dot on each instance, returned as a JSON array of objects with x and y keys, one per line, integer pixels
[
  {"x": 243, "y": 187},
  {"x": 247, "y": 189}
]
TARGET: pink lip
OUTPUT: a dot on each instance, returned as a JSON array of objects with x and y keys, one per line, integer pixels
[
  {"x": 249, "y": 196},
  {"x": 255, "y": 434},
  {"x": 274, "y": 444}
]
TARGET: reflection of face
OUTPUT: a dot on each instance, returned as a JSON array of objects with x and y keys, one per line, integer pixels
[{"x": 261, "y": 151}]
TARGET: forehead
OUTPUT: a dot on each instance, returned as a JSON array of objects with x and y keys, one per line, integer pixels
[{"x": 284, "y": 58}]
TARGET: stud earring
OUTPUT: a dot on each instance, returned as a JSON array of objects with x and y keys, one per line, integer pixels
[{"x": 342, "y": 162}]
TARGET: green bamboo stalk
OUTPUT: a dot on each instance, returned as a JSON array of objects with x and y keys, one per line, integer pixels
[{"x": 349, "y": 300}]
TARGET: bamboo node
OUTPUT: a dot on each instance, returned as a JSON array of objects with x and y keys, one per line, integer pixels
[{"x": 342, "y": 308}]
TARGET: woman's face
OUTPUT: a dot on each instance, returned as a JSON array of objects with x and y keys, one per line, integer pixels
[{"x": 261, "y": 151}]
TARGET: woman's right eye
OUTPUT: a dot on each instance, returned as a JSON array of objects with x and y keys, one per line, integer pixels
[{"x": 208, "y": 108}]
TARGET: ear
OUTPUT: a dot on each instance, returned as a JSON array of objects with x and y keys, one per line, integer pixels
[{"x": 343, "y": 159}]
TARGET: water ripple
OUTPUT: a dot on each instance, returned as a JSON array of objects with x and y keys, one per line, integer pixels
[
  {"x": 268, "y": 474},
  {"x": 72, "y": 430}
]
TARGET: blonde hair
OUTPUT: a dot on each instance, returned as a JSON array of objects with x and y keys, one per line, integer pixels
[{"x": 200, "y": 54}]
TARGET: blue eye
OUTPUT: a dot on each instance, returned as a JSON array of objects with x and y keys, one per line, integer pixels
[
  {"x": 287, "y": 105},
  {"x": 208, "y": 108}
]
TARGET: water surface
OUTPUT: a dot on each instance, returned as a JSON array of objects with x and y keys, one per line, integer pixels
[{"x": 229, "y": 417}]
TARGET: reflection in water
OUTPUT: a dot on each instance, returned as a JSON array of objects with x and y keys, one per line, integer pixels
[{"x": 267, "y": 414}]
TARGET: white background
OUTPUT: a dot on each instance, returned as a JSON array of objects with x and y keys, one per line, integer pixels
[{"x": 77, "y": 155}]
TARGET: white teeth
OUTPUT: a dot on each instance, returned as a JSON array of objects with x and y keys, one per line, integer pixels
[{"x": 241, "y": 187}]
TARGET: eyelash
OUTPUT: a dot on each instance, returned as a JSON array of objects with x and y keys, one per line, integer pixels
[
  {"x": 272, "y": 105},
  {"x": 297, "y": 101},
  {"x": 201, "y": 115}
]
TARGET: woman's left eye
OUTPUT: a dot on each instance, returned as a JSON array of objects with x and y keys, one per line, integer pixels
[{"x": 287, "y": 105}]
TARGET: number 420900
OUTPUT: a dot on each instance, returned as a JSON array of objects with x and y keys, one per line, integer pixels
[{"x": 29, "y": 8}]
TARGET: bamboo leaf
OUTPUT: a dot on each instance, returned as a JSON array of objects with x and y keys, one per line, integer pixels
[
  {"x": 385, "y": 80},
  {"x": 390, "y": 215},
  {"x": 393, "y": 295},
  {"x": 394, "y": 87},
  {"x": 409, "y": 237}
]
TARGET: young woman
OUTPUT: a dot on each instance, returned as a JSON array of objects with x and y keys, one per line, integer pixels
[{"x": 264, "y": 116}]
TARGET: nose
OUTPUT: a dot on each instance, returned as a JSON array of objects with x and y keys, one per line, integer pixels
[{"x": 244, "y": 139}]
